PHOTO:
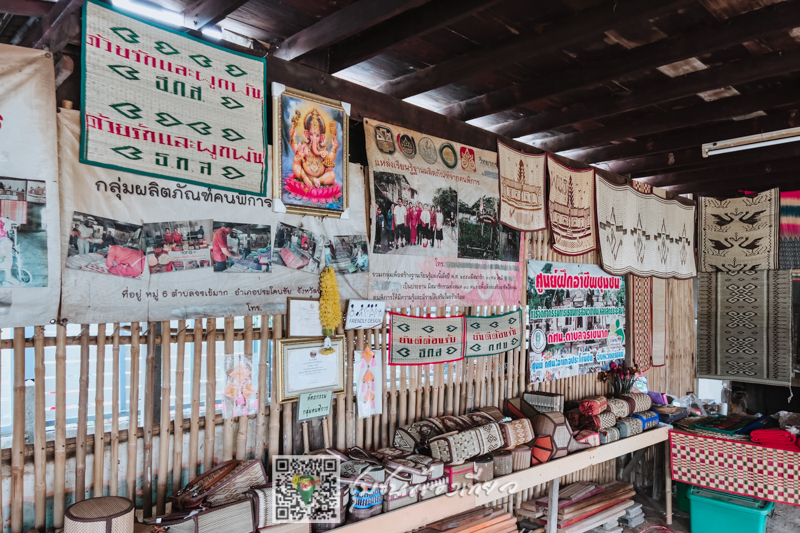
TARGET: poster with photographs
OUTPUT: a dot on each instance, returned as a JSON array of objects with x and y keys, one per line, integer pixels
[
  {"x": 577, "y": 319},
  {"x": 177, "y": 246},
  {"x": 204, "y": 252},
  {"x": 437, "y": 239},
  {"x": 30, "y": 270}
]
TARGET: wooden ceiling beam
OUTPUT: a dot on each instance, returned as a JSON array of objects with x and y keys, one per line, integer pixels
[
  {"x": 704, "y": 39},
  {"x": 691, "y": 178},
  {"x": 344, "y": 23},
  {"x": 26, "y": 8},
  {"x": 580, "y": 27},
  {"x": 209, "y": 12},
  {"x": 688, "y": 116},
  {"x": 732, "y": 186},
  {"x": 60, "y": 14},
  {"x": 677, "y": 140},
  {"x": 735, "y": 73},
  {"x": 404, "y": 27}
]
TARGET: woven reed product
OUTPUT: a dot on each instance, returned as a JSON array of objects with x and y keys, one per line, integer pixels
[
  {"x": 619, "y": 407},
  {"x": 433, "y": 468},
  {"x": 503, "y": 464},
  {"x": 629, "y": 426},
  {"x": 593, "y": 406},
  {"x": 484, "y": 468},
  {"x": 520, "y": 458},
  {"x": 361, "y": 471},
  {"x": 545, "y": 402},
  {"x": 542, "y": 449},
  {"x": 479, "y": 418},
  {"x": 365, "y": 503},
  {"x": 431, "y": 489},
  {"x": 110, "y": 514},
  {"x": 459, "y": 476},
  {"x": 517, "y": 432},
  {"x": 592, "y": 438},
  {"x": 649, "y": 419},
  {"x": 606, "y": 420},
  {"x": 641, "y": 402},
  {"x": 555, "y": 425},
  {"x": 262, "y": 510},
  {"x": 382, "y": 453},
  {"x": 492, "y": 411},
  {"x": 458, "y": 447},
  {"x": 608, "y": 435},
  {"x": 235, "y": 516},
  {"x": 519, "y": 408},
  {"x": 455, "y": 423},
  {"x": 396, "y": 500},
  {"x": 575, "y": 418}
]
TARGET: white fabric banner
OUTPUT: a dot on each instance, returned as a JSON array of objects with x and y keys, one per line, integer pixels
[
  {"x": 126, "y": 239},
  {"x": 29, "y": 268}
]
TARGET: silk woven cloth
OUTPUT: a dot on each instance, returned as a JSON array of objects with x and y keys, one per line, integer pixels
[
  {"x": 640, "y": 305},
  {"x": 570, "y": 205},
  {"x": 744, "y": 327},
  {"x": 521, "y": 189},
  {"x": 790, "y": 230},
  {"x": 739, "y": 234},
  {"x": 736, "y": 467},
  {"x": 420, "y": 340},
  {"x": 644, "y": 234}
]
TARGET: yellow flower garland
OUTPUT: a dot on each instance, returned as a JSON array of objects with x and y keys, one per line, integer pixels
[{"x": 330, "y": 311}]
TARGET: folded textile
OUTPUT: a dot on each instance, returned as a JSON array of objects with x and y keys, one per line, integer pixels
[
  {"x": 593, "y": 406},
  {"x": 659, "y": 398},
  {"x": 769, "y": 437},
  {"x": 619, "y": 407}
]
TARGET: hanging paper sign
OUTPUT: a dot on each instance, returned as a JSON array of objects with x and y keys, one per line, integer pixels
[
  {"x": 369, "y": 383},
  {"x": 161, "y": 103},
  {"x": 521, "y": 189},
  {"x": 490, "y": 335},
  {"x": 365, "y": 314},
  {"x": 577, "y": 319},
  {"x": 425, "y": 340},
  {"x": 240, "y": 395},
  {"x": 314, "y": 405}
]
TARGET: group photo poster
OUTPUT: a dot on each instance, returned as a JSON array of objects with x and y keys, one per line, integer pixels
[
  {"x": 577, "y": 319},
  {"x": 436, "y": 237},
  {"x": 141, "y": 248}
]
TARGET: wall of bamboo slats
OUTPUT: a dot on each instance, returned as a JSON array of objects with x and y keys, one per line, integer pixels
[{"x": 40, "y": 479}]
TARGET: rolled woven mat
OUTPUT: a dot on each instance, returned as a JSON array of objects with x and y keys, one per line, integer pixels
[
  {"x": 593, "y": 406},
  {"x": 619, "y": 407},
  {"x": 109, "y": 513},
  {"x": 520, "y": 458},
  {"x": 575, "y": 419},
  {"x": 484, "y": 468},
  {"x": 641, "y": 402},
  {"x": 502, "y": 463},
  {"x": 608, "y": 435}
]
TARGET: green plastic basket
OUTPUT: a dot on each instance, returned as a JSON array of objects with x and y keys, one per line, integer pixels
[{"x": 719, "y": 511}]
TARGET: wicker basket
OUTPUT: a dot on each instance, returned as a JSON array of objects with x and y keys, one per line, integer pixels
[{"x": 110, "y": 514}]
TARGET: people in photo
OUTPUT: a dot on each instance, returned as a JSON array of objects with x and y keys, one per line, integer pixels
[
  {"x": 86, "y": 230},
  {"x": 438, "y": 226},
  {"x": 219, "y": 248},
  {"x": 362, "y": 261},
  {"x": 400, "y": 219},
  {"x": 413, "y": 223},
  {"x": 125, "y": 261}
]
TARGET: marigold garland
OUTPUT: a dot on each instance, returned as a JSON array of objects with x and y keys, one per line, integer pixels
[{"x": 330, "y": 310}]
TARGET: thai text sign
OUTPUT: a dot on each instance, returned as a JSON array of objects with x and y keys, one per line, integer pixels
[
  {"x": 163, "y": 104},
  {"x": 577, "y": 319},
  {"x": 420, "y": 341},
  {"x": 490, "y": 335}
]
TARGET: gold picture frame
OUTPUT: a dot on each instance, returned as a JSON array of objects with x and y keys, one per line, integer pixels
[
  {"x": 321, "y": 187},
  {"x": 299, "y": 372}
]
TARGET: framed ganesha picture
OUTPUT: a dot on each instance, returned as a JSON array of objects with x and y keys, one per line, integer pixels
[{"x": 310, "y": 153}]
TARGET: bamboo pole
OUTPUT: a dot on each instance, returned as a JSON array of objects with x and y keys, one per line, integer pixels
[
  {"x": 194, "y": 422},
  {"x": 391, "y": 424},
  {"x": 263, "y": 372},
  {"x": 163, "y": 436},
  {"x": 273, "y": 441},
  {"x": 83, "y": 400},
  {"x": 228, "y": 421},
  {"x": 40, "y": 436},
  {"x": 351, "y": 363},
  {"x": 288, "y": 448},
  {"x": 177, "y": 438},
  {"x": 241, "y": 437},
  {"x": 147, "y": 441},
  {"x": 99, "y": 410},
  {"x": 18, "y": 438},
  {"x": 60, "y": 451},
  {"x": 113, "y": 488},
  {"x": 211, "y": 392},
  {"x": 133, "y": 409},
  {"x": 384, "y": 440},
  {"x": 349, "y": 417}
]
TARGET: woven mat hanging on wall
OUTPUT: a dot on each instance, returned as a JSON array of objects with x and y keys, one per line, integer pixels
[
  {"x": 521, "y": 189},
  {"x": 660, "y": 310},
  {"x": 790, "y": 230},
  {"x": 644, "y": 234},
  {"x": 418, "y": 340},
  {"x": 571, "y": 208},
  {"x": 739, "y": 234},
  {"x": 744, "y": 328},
  {"x": 641, "y": 320}
]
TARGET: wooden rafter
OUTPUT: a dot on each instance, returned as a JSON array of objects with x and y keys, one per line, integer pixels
[
  {"x": 578, "y": 28},
  {"x": 727, "y": 187},
  {"x": 406, "y": 26},
  {"x": 27, "y": 8},
  {"x": 60, "y": 14},
  {"x": 776, "y": 18},
  {"x": 209, "y": 12},
  {"x": 681, "y": 118},
  {"x": 696, "y": 179},
  {"x": 344, "y": 23}
]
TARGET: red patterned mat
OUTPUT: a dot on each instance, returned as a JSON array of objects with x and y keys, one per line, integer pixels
[{"x": 736, "y": 467}]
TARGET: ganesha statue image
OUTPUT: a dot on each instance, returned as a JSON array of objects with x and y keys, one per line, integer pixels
[{"x": 312, "y": 173}]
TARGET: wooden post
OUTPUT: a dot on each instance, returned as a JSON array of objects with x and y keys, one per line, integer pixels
[
  {"x": 194, "y": 422},
  {"x": 113, "y": 488},
  {"x": 552, "y": 506},
  {"x": 668, "y": 480},
  {"x": 147, "y": 441},
  {"x": 211, "y": 392},
  {"x": 60, "y": 448},
  {"x": 133, "y": 410},
  {"x": 348, "y": 388},
  {"x": 18, "y": 438},
  {"x": 163, "y": 425},
  {"x": 83, "y": 399},
  {"x": 263, "y": 372},
  {"x": 99, "y": 411},
  {"x": 241, "y": 437},
  {"x": 177, "y": 439},
  {"x": 273, "y": 446},
  {"x": 40, "y": 441}
]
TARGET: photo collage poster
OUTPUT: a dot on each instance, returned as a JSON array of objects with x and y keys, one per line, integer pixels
[
  {"x": 436, "y": 236},
  {"x": 577, "y": 319}
]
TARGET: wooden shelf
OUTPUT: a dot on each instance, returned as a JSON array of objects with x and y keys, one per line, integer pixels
[{"x": 423, "y": 513}]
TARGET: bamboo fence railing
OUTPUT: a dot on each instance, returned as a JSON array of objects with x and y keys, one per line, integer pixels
[{"x": 183, "y": 447}]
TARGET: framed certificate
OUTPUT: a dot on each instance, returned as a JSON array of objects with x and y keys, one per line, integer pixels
[
  {"x": 302, "y": 367},
  {"x": 303, "y": 317}
]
